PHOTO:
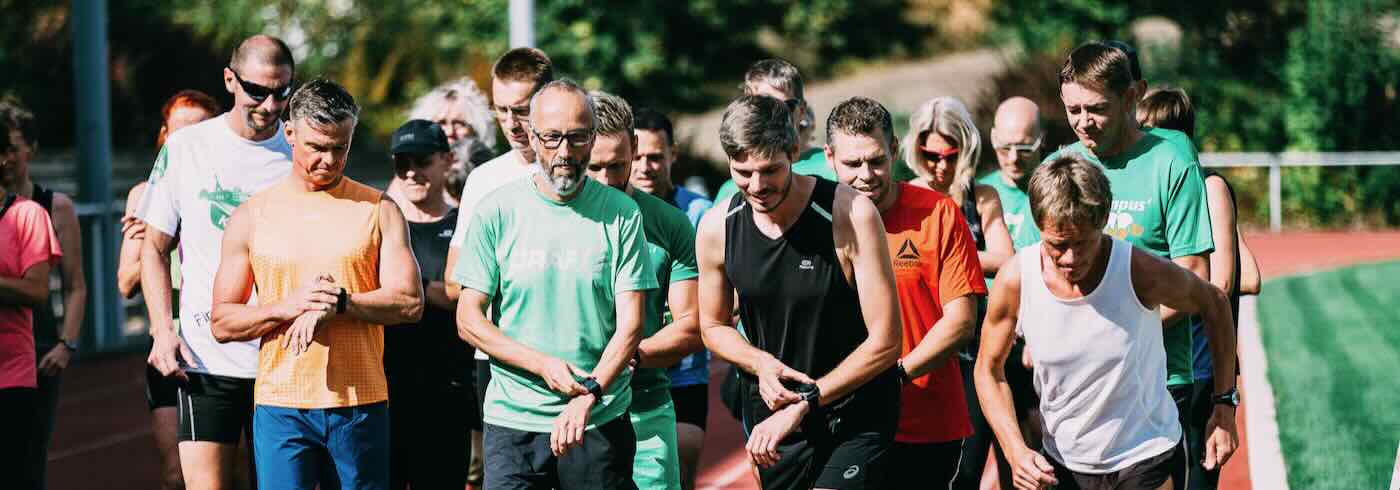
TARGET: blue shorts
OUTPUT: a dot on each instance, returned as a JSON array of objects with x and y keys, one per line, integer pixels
[{"x": 335, "y": 447}]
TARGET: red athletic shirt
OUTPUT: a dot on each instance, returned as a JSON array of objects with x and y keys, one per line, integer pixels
[{"x": 935, "y": 262}]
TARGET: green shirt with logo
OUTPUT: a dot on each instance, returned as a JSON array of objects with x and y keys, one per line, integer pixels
[
  {"x": 552, "y": 270},
  {"x": 1159, "y": 205},
  {"x": 671, "y": 255},
  {"x": 1015, "y": 210},
  {"x": 812, "y": 162}
]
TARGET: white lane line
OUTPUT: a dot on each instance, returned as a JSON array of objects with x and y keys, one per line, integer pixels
[
  {"x": 1266, "y": 468},
  {"x": 738, "y": 468}
]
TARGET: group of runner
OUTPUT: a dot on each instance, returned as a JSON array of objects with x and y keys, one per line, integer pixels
[{"x": 1062, "y": 322}]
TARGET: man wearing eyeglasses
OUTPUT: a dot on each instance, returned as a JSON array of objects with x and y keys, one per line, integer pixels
[
  {"x": 201, "y": 175},
  {"x": 563, "y": 260},
  {"x": 1017, "y": 138}
]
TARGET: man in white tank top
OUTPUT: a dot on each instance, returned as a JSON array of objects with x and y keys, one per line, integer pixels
[{"x": 1096, "y": 343}]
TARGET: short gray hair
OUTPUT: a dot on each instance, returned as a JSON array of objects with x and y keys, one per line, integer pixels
[
  {"x": 950, "y": 118},
  {"x": 566, "y": 85},
  {"x": 612, "y": 113},
  {"x": 464, "y": 93},
  {"x": 322, "y": 102},
  {"x": 778, "y": 73},
  {"x": 860, "y": 116},
  {"x": 757, "y": 124}
]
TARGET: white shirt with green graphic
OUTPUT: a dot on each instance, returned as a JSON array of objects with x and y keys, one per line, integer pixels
[{"x": 201, "y": 175}]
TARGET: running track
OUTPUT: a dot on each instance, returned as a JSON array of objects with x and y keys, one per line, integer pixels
[{"x": 104, "y": 440}]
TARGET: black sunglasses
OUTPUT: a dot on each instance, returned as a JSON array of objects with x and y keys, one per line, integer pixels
[{"x": 260, "y": 93}]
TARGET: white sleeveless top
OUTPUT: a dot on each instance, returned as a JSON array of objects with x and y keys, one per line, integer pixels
[{"x": 1100, "y": 368}]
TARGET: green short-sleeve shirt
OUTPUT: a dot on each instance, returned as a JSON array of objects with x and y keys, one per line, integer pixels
[
  {"x": 1015, "y": 210},
  {"x": 671, "y": 253},
  {"x": 1159, "y": 205},
  {"x": 552, "y": 270}
]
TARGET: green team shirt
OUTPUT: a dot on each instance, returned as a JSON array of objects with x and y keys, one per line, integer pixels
[
  {"x": 670, "y": 252},
  {"x": 552, "y": 270},
  {"x": 813, "y": 163},
  {"x": 1015, "y": 210},
  {"x": 1159, "y": 205}
]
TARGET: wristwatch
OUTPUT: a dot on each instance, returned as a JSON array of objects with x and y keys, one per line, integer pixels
[
  {"x": 591, "y": 384},
  {"x": 1230, "y": 397},
  {"x": 810, "y": 393},
  {"x": 342, "y": 300},
  {"x": 67, "y": 344}
]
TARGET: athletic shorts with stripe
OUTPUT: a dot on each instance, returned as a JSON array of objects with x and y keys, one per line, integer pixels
[
  {"x": 215, "y": 408},
  {"x": 1149, "y": 474}
]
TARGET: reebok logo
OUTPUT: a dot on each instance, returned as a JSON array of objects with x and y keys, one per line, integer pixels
[{"x": 907, "y": 251}]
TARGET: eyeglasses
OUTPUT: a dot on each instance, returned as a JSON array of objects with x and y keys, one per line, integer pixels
[
  {"x": 260, "y": 93},
  {"x": 1021, "y": 147},
  {"x": 577, "y": 139},
  {"x": 936, "y": 157}
]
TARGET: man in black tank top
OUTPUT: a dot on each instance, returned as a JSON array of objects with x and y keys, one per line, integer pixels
[{"x": 821, "y": 401}]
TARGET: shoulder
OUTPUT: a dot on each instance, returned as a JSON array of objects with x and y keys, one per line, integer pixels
[
  {"x": 28, "y": 211},
  {"x": 63, "y": 205},
  {"x": 1171, "y": 148},
  {"x": 194, "y": 133},
  {"x": 859, "y": 211}
]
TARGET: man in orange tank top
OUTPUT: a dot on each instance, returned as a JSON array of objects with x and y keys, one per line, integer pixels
[{"x": 332, "y": 264}]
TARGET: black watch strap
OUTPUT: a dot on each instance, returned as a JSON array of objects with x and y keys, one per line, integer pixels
[
  {"x": 811, "y": 394},
  {"x": 1231, "y": 397},
  {"x": 342, "y": 301},
  {"x": 72, "y": 347},
  {"x": 901, "y": 372},
  {"x": 595, "y": 389}
]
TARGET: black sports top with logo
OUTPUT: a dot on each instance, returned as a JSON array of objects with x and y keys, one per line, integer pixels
[{"x": 795, "y": 303}]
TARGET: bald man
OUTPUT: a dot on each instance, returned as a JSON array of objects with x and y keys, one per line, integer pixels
[
  {"x": 1017, "y": 137},
  {"x": 201, "y": 175}
]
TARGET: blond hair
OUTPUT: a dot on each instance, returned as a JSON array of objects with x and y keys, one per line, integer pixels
[
  {"x": 1068, "y": 189},
  {"x": 950, "y": 118}
]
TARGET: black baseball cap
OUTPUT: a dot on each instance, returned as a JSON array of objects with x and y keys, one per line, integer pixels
[
  {"x": 1133, "y": 65},
  {"x": 419, "y": 136}
]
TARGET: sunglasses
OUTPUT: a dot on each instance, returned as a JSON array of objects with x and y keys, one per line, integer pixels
[
  {"x": 260, "y": 93},
  {"x": 936, "y": 157},
  {"x": 1020, "y": 147}
]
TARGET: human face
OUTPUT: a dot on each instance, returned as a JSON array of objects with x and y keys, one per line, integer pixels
[
  {"x": 1072, "y": 248},
  {"x": 563, "y": 119},
  {"x": 651, "y": 166},
  {"x": 764, "y": 181},
  {"x": 259, "y": 112},
  {"x": 454, "y": 122},
  {"x": 185, "y": 115},
  {"x": 611, "y": 160},
  {"x": 1017, "y": 147},
  {"x": 864, "y": 162},
  {"x": 319, "y": 152},
  {"x": 794, "y": 104},
  {"x": 510, "y": 101},
  {"x": 421, "y": 176},
  {"x": 20, "y": 150},
  {"x": 940, "y": 159},
  {"x": 1100, "y": 118}
]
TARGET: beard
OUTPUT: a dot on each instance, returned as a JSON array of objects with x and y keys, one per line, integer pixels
[
  {"x": 271, "y": 120},
  {"x": 563, "y": 185}
]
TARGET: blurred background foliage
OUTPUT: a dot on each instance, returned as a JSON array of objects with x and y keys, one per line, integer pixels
[{"x": 1314, "y": 75}]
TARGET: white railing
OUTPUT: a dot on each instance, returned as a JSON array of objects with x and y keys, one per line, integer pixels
[{"x": 1276, "y": 161}]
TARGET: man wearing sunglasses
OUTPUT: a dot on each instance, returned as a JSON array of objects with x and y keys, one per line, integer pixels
[
  {"x": 563, "y": 259},
  {"x": 201, "y": 175},
  {"x": 428, "y": 367},
  {"x": 1017, "y": 139}
]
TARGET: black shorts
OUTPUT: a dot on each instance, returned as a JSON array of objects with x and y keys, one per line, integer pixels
[
  {"x": 215, "y": 409},
  {"x": 692, "y": 404},
  {"x": 850, "y": 463},
  {"x": 521, "y": 460},
  {"x": 931, "y": 465},
  {"x": 161, "y": 391},
  {"x": 1148, "y": 474}
]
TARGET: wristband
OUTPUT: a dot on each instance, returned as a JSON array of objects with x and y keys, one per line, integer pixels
[
  {"x": 595, "y": 389},
  {"x": 901, "y": 372},
  {"x": 72, "y": 347}
]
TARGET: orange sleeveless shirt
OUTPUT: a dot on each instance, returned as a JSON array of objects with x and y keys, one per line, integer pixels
[{"x": 297, "y": 235}]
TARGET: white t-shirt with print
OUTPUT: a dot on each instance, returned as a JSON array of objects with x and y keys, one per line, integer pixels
[
  {"x": 201, "y": 175},
  {"x": 484, "y": 180}
]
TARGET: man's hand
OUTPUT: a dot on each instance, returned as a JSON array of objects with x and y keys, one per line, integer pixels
[
  {"x": 568, "y": 427},
  {"x": 1031, "y": 471},
  {"x": 1221, "y": 439},
  {"x": 562, "y": 377},
  {"x": 299, "y": 336},
  {"x": 319, "y": 294},
  {"x": 168, "y": 350},
  {"x": 133, "y": 228},
  {"x": 763, "y": 442},
  {"x": 55, "y": 361},
  {"x": 770, "y": 383}
]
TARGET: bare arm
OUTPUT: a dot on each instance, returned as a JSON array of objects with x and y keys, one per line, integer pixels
[
  {"x": 435, "y": 293},
  {"x": 1198, "y": 265},
  {"x": 629, "y": 306},
  {"x": 232, "y": 318},
  {"x": 1222, "y": 225},
  {"x": 133, "y": 234},
  {"x": 476, "y": 329},
  {"x": 682, "y": 337},
  {"x": 1250, "y": 281},
  {"x": 399, "y": 298},
  {"x": 866, "y": 246},
  {"x": 155, "y": 280},
  {"x": 999, "y": 246},
  {"x": 31, "y": 289},
  {"x": 948, "y": 335},
  {"x": 717, "y": 299},
  {"x": 1159, "y": 282},
  {"x": 452, "y": 289},
  {"x": 70, "y": 239}
]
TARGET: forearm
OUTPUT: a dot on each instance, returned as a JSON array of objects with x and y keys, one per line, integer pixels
[
  {"x": 1220, "y": 335},
  {"x": 675, "y": 341},
  {"x": 726, "y": 343},
  {"x": 477, "y": 330},
  {"x": 74, "y": 310},
  {"x": 991, "y": 261},
  {"x": 129, "y": 268},
  {"x": 994, "y": 394},
  {"x": 942, "y": 343},
  {"x": 23, "y": 292},
  {"x": 385, "y": 306},
  {"x": 452, "y": 288},
  {"x": 870, "y": 358},
  {"x": 156, "y": 290},
  {"x": 236, "y": 322},
  {"x": 436, "y": 295},
  {"x": 618, "y": 351}
]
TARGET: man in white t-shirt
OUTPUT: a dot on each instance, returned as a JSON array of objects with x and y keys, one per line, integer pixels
[
  {"x": 201, "y": 175},
  {"x": 515, "y": 78}
]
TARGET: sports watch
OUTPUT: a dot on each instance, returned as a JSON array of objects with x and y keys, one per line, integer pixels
[
  {"x": 342, "y": 300},
  {"x": 1230, "y": 397},
  {"x": 591, "y": 384},
  {"x": 810, "y": 393}
]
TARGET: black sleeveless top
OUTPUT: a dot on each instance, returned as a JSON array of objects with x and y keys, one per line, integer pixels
[
  {"x": 45, "y": 319},
  {"x": 974, "y": 219},
  {"x": 795, "y": 303}
]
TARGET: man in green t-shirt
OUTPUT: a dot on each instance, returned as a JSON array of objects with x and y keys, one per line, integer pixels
[
  {"x": 671, "y": 253},
  {"x": 1017, "y": 137},
  {"x": 1159, "y": 197},
  {"x": 563, "y": 262},
  {"x": 779, "y": 79}
]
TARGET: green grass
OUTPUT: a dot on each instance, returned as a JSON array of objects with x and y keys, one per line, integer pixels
[{"x": 1333, "y": 342}]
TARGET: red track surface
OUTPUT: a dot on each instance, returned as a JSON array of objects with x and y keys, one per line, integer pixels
[{"x": 103, "y": 439}]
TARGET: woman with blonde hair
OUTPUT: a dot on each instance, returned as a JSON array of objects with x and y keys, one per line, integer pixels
[{"x": 942, "y": 148}]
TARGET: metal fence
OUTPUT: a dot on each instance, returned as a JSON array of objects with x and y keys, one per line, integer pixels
[{"x": 1276, "y": 161}]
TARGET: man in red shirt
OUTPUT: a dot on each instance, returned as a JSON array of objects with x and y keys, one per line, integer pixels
[{"x": 936, "y": 274}]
